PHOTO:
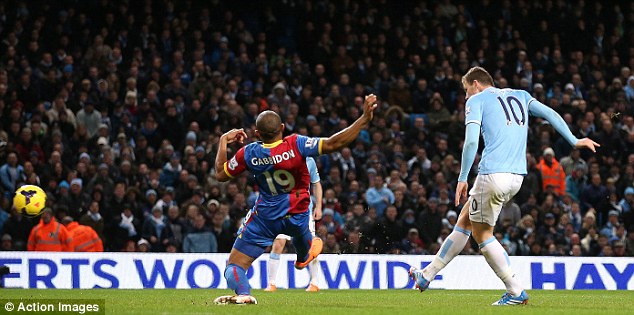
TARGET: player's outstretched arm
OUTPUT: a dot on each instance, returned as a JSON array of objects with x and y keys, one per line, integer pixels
[
  {"x": 230, "y": 136},
  {"x": 346, "y": 136},
  {"x": 540, "y": 110}
]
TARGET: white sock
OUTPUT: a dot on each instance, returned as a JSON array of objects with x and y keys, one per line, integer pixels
[
  {"x": 451, "y": 247},
  {"x": 499, "y": 261},
  {"x": 272, "y": 267},
  {"x": 313, "y": 270}
]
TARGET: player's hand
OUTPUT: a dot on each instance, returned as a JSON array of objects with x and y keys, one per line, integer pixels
[
  {"x": 234, "y": 135},
  {"x": 587, "y": 143},
  {"x": 317, "y": 213},
  {"x": 461, "y": 192},
  {"x": 369, "y": 104}
]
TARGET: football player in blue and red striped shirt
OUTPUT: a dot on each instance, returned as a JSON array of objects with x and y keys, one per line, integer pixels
[{"x": 279, "y": 167}]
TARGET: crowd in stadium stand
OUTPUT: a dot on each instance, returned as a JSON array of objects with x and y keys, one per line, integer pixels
[{"x": 115, "y": 108}]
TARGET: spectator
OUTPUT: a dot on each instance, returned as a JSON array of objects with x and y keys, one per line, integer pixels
[
  {"x": 331, "y": 225},
  {"x": 176, "y": 224},
  {"x": 387, "y": 233},
  {"x": 149, "y": 202},
  {"x": 357, "y": 220},
  {"x": 590, "y": 243},
  {"x": 430, "y": 221},
  {"x": 378, "y": 196},
  {"x": 553, "y": 175},
  {"x": 548, "y": 230},
  {"x": 345, "y": 161},
  {"x": 331, "y": 245},
  {"x": 126, "y": 226},
  {"x": 18, "y": 227},
  {"x": 438, "y": 113},
  {"x": 609, "y": 229},
  {"x": 171, "y": 171},
  {"x": 354, "y": 245},
  {"x": 222, "y": 234},
  {"x": 200, "y": 239},
  {"x": 619, "y": 249},
  {"x": 49, "y": 235},
  {"x": 89, "y": 117},
  {"x": 167, "y": 200},
  {"x": 412, "y": 244},
  {"x": 11, "y": 172},
  {"x": 627, "y": 203},
  {"x": 595, "y": 195},
  {"x": 143, "y": 246},
  {"x": 330, "y": 201},
  {"x": 103, "y": 179},
  {"x": 82, "y": 237},
  {"x": 573, "y": 161},
  {"x": 510, "y": 214},
  {"x": 408, "y": 220},
  {"x": 93, "y": 219},
  {"x": 6, "y": 243},
  {"x": 576, "y": 182},
  {"x": 77, "y": 201},
  {"x": 575, "y": 215},
  {"x": 156, "y": 230}
]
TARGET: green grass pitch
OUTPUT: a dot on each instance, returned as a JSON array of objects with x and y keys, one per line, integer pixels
[{"x": 334, "y": 302}]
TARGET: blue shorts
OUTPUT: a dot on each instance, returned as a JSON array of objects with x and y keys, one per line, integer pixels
[{"x": 256, "y": 233}]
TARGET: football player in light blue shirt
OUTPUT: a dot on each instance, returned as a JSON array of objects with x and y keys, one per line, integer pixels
[{"x": 501, "y": 115}]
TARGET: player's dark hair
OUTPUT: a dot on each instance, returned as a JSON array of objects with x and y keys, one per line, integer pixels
[
  {"x": 268, "y": 125},
  {"x": 478, "y": 74}
]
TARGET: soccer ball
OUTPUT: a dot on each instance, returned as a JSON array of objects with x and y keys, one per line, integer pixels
[{"x": 29, "y": 200}]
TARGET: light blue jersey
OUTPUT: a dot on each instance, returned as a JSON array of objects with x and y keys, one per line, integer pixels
[
  {"x": 503, "y": 118},
  {"x": 314, "y": 178}
]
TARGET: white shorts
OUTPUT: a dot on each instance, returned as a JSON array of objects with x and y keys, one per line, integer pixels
[
  {"x": 489, "y": 193},
  {"x": 311, "y": 226},
  {"x": 283, "y": 237}
]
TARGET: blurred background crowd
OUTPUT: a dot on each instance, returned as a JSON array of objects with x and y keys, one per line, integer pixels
[{"x": 115, "y": 108}]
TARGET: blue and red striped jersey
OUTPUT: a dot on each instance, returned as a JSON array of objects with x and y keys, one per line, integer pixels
[{"x": 280, "y": 171}]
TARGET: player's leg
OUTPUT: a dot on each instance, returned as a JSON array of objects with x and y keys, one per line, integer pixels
[
  {"x": 254, "y": 236},
  {"x": 237, "y": 280},
  {"x": 451, "y": 247},
  {"x": 313, "y": 266},
  {"x": 274, "y": 261},
  {"x": 313, "y": 270},
  {"x": 499, "y": 189},
  {"x": 306, "y": 246},
  {"x": 499, "y": 261},
  {"x": 235, "y": 273}
]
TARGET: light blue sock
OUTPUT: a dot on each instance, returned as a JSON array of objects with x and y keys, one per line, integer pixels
[
  {"x": 451, "y": 247},
  {"x": 237, "y": 280},
  {"x": 500, "y": 262}
]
